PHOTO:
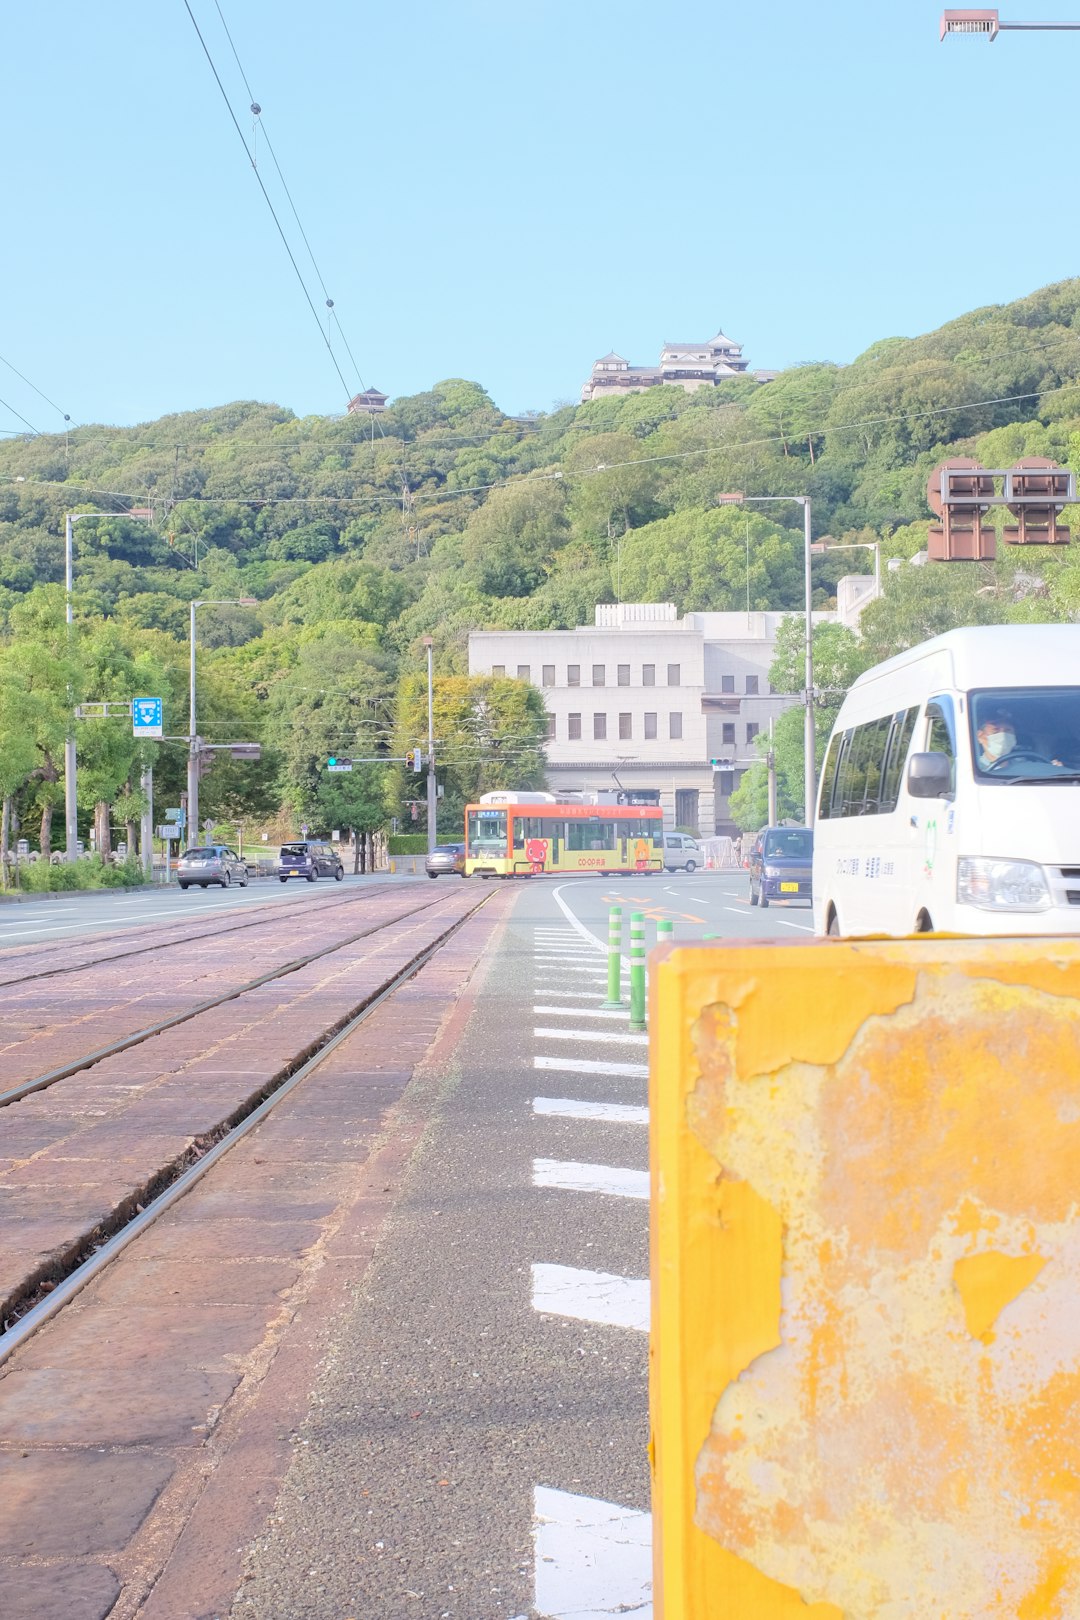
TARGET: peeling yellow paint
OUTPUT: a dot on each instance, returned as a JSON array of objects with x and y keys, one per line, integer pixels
[
  {"x": 988, "y": 1282},
  {"x": 865, "y": 1156}
]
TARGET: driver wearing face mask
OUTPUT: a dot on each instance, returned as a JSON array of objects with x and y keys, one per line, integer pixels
[{"x": 995, "y": 738}]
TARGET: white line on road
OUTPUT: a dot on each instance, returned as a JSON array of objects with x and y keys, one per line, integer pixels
[
  {"x": 606, "y": 1037},
  {"x": 576, "y": 924},
  {"x": 574, "y": 1108},
  {"x": 548, "y": 962},
  {"x": 593, "y": 1559},
  {"x": 634, "y": 1071},
  {"x": 570, "y": 995},
  {"x": 583, "y": 1012},
  {"x": 805, "y": 927},
  {"x": 740, "y": 911},
  {"x": 569, "y": 1175},
  {"x": 591, "y": 1296}
]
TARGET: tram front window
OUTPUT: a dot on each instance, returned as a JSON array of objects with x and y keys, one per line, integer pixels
[{"x": 487, "y": 832}]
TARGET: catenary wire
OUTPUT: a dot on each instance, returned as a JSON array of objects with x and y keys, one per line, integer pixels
[
  {"x": 36, "y": 389},
  {"x": 269, "y": 202}
]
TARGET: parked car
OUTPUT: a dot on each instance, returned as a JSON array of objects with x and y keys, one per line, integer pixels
[
  {"x": 681, "y": 853},
  {"x": 781, "y": 865},
  {"x": 309, "y": 858},
  {"x": 446, "y": 859},
  {"x": 211, "y": 863}
]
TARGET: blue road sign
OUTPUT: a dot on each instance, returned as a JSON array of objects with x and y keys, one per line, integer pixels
[{"x": 146, "y": 717}]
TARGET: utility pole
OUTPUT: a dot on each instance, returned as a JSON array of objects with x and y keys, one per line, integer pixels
[
  {"x": 771, "y": 761},
  {"x": 146, "y": 830},
  {"x": 432, "y": 794}
]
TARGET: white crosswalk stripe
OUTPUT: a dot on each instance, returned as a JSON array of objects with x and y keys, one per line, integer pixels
[
  {"x": 583, "y": 1012},
  {"x": 567, "y": 1065},
  {"x": 613, "y": 1180},
  {"x": 591, "y": 1296},
  {"x": 592, "y": 1559},
  {"x": 579, "y": 1108}
]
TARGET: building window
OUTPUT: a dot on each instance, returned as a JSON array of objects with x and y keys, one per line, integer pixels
[
  {"x": 727, "y": 784},
  {"x": 549, "y": 674},
  {"x": 599, "y": 727},
  {"x": 551, "y": 726},
  {"x": 686, "y": 809},
  {"x": 729, "y": 731},
  {"x": 625, "y": 728},
  {"x": 524, "y": 672},
  {"x": 751, "y": 730},
  {"x": 675, "y": 726},
  {"x": 598, "y": 674},
  {"x": 498, "y": 669},
  {"x": 573, "y": 727},
  {"x": 673, "y": 673},
  {"x": 624, "y": 674},
  {"x": 650, "y": 727},
  {"x": 727, "y": 683},
  {"x": 648, "y": 674},
  {"x": 751, "y": 685},
  {"x": 573, "y": 674}
]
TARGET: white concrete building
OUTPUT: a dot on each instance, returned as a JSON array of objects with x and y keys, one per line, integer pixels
[{"x": 647, "y": 701}]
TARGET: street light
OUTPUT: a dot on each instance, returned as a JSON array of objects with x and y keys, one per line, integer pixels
[
  {"x": 432, "y": 795},
  {"x": 990, "y": 25},
  {"x": 193, "y": 736},
  {"x": 809, "y": 740},
  {"x": 71, "y": 807}
]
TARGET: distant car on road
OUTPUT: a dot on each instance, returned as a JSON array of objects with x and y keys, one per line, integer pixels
[
  {"x": 681, "y": 853},
  {"x": 446, "y": 859},
  {"x": 310, "y": 859},
  {"x": 781, "y": 865},
  {"x": 211, "y": 863}
]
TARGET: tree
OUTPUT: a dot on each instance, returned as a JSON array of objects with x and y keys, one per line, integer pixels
[
  {"x": 713, "y": 560},
  {"x": 510, "y": 542}
]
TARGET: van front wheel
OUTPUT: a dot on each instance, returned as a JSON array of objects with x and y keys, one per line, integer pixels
[{"x": 834, "y": 926}]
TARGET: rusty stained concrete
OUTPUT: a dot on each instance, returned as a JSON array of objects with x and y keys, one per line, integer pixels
[{"x": 903, "y": 1440}]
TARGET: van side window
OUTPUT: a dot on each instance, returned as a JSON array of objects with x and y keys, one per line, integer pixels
[
  {"x": 941, "y": 732},
  {"x": 902, "y": 728},
  {"x": 877, "y": 738},
  {"x": 828, "y": 776}
]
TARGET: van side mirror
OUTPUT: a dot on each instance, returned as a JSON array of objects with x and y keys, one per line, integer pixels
[{"x": 929, "y": 776}]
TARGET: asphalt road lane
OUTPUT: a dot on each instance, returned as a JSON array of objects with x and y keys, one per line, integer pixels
[
  {"x": 697, "y": 904},
  {"x": 111, "y": 910}
]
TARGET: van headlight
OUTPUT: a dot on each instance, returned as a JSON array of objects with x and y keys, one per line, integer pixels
[{"x": 1001, "y": 885}]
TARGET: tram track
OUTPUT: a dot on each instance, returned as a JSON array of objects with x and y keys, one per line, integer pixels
[
  {"x": 88, "y": 1060},
  {"x": 44, "y": 1295},
  {"x": 165, "y": 939}
]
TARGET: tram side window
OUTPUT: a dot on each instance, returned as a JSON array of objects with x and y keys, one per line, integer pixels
[
  {"x": 588, "y": 834},
  {"x": 526, "y": 827},
  {"x": 902, "y": 729}
]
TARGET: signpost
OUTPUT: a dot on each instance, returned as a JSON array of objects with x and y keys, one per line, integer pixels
[
  {"x": 169, "y": 829},
  {"x": 146, "y": 717}
]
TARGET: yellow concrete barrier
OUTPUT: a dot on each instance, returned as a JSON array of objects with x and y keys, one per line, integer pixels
[{"x": 866, "y": 1280}]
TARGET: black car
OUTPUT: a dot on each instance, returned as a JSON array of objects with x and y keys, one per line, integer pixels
[
  {"x": 308, "y": 858},
  {"x": 781, "y": 865}
]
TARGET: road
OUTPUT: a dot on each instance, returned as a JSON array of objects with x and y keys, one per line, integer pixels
[
  {"x": 477, "y": 1445},
  {"x": 390, "y": 1358}
]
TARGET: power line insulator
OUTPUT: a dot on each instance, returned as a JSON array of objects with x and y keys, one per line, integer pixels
[{"x": 255, "y": 108}]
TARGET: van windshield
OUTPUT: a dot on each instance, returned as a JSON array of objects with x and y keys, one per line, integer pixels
[
  {"x": 1026, "y": 734},
  {"x": 789, "y": 844}
]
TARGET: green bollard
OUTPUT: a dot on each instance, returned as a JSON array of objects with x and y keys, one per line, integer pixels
[
  {"x": 614, "y": 1002},
  {"x": 637, "y": 970},
  {"x": 665, "y": 931}
]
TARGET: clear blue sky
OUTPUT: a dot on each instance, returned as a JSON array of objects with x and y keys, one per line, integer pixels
[{"x": 505, "y": 191}]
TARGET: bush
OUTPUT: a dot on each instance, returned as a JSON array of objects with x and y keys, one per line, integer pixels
[
  {"x": 89, "y": 872},
  {"x": 407, "y": 844}
]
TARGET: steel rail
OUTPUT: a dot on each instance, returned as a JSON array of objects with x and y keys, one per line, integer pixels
[
  {"x": 42, "y": 1082},
  {"x": 88, "y": 1269},
  {"x": 183, "y": 939}
]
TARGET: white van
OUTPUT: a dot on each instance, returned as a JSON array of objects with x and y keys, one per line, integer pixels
[
  {"x": 950, "y": 794},
  {"x": 681, "y": 853}
]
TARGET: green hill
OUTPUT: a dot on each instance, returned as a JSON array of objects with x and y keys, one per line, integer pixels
[{"x": 358, "y": 537}]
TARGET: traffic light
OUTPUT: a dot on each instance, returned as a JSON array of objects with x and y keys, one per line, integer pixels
[
  {"x": 720, "y": 764},
  {"x": 414, "y": 759},
  {"x": 332, "y": 760}
]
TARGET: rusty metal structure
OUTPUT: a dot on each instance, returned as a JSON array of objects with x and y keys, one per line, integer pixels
[{"x": 961, "y": 492}]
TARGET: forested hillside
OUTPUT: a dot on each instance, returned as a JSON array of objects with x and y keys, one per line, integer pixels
[{"x": 357, "y": 536}]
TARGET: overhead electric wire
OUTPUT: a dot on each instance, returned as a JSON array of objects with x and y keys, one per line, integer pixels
[
  {"x": 269, "y": 202},
  {"x": 256, "y": 111},
  {"x": 36, "y": 431},
  {"x": 36, "y": 389}
]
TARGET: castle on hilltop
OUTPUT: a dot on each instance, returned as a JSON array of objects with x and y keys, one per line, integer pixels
[{"x": 682, "y": 365}]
